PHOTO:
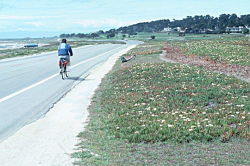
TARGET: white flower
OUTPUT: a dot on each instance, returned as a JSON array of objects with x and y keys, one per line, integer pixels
[
  {"x": 190, "y": 130},
  {"x": 136, "y": 132},
  {"x": 242, "y": 105},
  {"x": 117, "y": 128},
  {"x": 169, "y": 125}
]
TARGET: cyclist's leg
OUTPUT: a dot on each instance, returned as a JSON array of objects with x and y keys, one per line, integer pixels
[{"x": 68, "y": 62}]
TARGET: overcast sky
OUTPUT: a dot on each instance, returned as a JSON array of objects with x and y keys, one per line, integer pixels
[{"x": 84, "y": 16}]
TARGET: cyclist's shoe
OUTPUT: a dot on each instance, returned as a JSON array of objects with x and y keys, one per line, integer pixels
[
  {"x": 59, "y": 71},
  {"x": 68, "y": 68}
]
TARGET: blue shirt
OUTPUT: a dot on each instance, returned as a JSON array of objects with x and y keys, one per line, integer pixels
[{"x": 64, "y": 49}]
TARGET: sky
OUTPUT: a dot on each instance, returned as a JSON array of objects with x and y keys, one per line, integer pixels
[{"x": 42, "y": 18}]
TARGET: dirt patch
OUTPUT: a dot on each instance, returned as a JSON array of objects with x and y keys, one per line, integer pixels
[{"x": 175, "y": 55}]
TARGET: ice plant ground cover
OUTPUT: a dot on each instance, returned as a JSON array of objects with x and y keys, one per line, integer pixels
[
  {"x": 149, "y": 112},
  {"x": 158, "y": 102},
  {"x": 231, "y": 50}
]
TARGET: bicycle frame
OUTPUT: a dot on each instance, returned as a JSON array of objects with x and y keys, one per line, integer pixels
[
  {"x": 63, "y": 62},
  {"x": 63, "y": 65}
]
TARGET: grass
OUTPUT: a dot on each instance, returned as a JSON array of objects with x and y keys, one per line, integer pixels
[{"x": 148, "y": 112}]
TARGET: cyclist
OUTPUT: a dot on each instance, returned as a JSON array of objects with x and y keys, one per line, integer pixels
[{"x": 65, "y": 51}]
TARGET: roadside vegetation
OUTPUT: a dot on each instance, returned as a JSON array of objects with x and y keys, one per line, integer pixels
[
  {"x": 150, "y": 112},
  {"x": 234, "y": 50},
  {"x": 47, "y": 45}
]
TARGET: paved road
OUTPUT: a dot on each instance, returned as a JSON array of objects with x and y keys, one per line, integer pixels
[{"x": 31, "y": 85}]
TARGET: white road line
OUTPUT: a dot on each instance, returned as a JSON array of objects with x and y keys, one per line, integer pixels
[
  {"x": 25, "y": 89},
  {"x": 36, "y": 84},
  {"x": 94, "y": 57}
]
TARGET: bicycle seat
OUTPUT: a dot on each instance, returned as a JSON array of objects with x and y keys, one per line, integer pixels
[{"x": 63, "y": 59}]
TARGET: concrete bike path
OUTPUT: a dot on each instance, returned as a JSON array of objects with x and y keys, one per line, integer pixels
[{"x": 51, "y": 140}]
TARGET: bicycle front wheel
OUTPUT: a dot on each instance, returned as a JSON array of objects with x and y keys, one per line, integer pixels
[{"x": 65, "y": 71}]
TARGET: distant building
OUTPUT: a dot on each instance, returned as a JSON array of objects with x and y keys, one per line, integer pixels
[
  {"x": 235, "y": 29},
  {"x": 167, "y": 29}
]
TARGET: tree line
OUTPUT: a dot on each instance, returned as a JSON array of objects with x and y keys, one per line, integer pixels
[{"x": 190, "y": 24}]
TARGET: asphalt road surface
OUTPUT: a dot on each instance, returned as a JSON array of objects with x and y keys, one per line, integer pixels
[{"x": 30, "y": 85}]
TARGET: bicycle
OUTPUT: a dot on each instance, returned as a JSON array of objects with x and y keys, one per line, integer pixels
[{"x": 63, "y": 66}]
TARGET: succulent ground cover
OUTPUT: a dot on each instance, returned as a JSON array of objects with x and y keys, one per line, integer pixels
[
  {"x": 149, "y": 112},
  {"x": 230, "y": 50},
  {"x": 159, "y": 102}
]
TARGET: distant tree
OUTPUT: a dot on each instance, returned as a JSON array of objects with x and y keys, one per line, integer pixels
[
  {"x": 81, "y": 35},
  {"x": 111, "y": 35},
  {"x": 110, "y": 31},
  {"x": 132, "y": 33},
  {"x": 67, "y": 35},
  {"x": 62, "y": 35},
  {"x": 153, "y": 37},
  {"x": 123, "y": 35},
  {"x": 100, "y": 32},
  {"x": 72, "y": 35},
  {"x": 93, "y": 35},
  {"x": 245, "y": 19},
  {"x": 246, "y": 31}
]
